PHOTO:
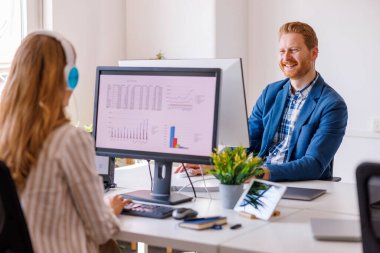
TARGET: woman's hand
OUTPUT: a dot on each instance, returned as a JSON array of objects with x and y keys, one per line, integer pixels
[{"x": 117, "y": 203}]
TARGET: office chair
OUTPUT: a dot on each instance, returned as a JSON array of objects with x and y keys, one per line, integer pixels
[
  {"x": 14, "y": 234},
  {"x": 368, "y": 186},
  {"x": 332, "y": 178}
]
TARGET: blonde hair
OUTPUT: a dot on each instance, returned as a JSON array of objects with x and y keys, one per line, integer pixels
[
  {"x": 32, "y": 103},
  {"x": 304, "y": 29}
]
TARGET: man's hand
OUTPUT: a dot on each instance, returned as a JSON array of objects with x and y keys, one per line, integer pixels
[
  {"x": 265, "y": 176},
  {"x": 266, "y": 173},
  {"x": 196, "y": 169}
]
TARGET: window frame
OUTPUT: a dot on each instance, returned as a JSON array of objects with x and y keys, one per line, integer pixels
[{"x": 32, "y": 19}]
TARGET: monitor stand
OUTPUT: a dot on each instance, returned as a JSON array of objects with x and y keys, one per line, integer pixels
[{"x": 161, "y": 187}]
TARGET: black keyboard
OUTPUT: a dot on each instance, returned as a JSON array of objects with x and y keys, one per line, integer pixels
[{"x": 147, "y": 210}]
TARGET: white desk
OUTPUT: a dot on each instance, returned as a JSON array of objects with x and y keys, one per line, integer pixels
[
  {"x": 167, "y": 233},
  {"x": 290, "y": 232}
]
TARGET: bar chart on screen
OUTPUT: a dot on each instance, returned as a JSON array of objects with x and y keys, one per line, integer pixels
[
  {"x": 173, "y": 141},
  {"x": 136, "y": 131}
]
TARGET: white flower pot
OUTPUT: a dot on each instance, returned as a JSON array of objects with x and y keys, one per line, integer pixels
[{"x": 230, "y": 194}]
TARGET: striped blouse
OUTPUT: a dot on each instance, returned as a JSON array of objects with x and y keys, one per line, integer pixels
[{"x": 63, "y": 197}]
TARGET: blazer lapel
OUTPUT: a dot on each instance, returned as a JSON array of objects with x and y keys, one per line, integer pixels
[
  {"x": 276, "y": 116},
  {"x": 305, "y": 113}
]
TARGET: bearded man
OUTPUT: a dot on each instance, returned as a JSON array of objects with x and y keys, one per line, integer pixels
[{"x": 298, "y": 123}]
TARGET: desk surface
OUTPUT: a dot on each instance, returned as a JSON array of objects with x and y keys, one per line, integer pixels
[
  {"x": 290, "y": 234},
  {"x": 290, "y": 231}
]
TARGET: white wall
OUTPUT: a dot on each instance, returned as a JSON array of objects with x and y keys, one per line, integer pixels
[
  {"x": 97, "y": 30},
  {"x": 179, "y": 29},
  {"x": 231, "y": 31},
  {"x": 187, "y": 28},
  {"x": 348, "y": 61}
]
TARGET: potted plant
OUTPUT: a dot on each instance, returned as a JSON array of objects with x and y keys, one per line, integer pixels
[{"x": 232, "y": 166}]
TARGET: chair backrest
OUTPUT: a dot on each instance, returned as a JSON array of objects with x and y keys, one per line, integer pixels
[
  {"x": 368, "y": 186},
  {"x": 332, "y": 178},
  {"x": 14, "y": 234}
]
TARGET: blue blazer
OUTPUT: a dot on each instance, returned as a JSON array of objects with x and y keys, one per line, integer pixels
[{"x": 317, "y": 135}]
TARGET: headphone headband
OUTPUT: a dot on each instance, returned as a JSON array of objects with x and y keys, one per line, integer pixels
[{"x": 71, "y": 72}]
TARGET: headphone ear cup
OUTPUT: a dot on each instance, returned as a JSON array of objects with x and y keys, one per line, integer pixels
[
  {"x": 70, "y": 71},
  {"x": 72, "y": 77}
]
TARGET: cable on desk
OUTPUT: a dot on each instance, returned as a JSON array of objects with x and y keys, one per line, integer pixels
[
  {"x": 196, "y": 181},
  {"x": 187, "y": 174},
  {"x": 150, "y": 174},
  {"x": 204, "y": 181}
]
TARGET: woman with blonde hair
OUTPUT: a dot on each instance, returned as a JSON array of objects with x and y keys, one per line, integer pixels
[{"x": 52, "y": 162}]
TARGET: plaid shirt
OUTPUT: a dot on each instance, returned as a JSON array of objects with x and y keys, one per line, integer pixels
[{"x": 294, "y": 103}]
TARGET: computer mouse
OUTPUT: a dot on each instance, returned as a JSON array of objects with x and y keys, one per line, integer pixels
[{"x": 184, "y": 213}]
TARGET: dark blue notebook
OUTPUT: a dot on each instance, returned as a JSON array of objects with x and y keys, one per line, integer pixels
[{"x": 204, "y": 222}]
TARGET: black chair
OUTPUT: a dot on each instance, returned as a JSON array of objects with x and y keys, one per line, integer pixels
[
  {"x": 14, "y": 234},
  {"x": 368, "y": 186},
  {"x": 332, "y": 178}
]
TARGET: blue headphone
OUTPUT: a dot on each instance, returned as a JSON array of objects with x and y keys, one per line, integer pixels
[{"x": 71, "y": 72}]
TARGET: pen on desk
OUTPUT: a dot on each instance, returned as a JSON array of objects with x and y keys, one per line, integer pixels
[
  {"x": 217, "y": 227},
  {"x": 236, "y": 226}
]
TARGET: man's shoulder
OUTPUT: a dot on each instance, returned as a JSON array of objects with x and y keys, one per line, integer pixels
[{"x": 329, "y": 93}]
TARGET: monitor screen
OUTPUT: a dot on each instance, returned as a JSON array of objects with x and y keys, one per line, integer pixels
[
  {"x": 162, "y": 114},
  {"x": 232, "y": 127}
]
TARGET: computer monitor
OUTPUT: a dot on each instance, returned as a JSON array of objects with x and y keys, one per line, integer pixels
[
  {"x": 162, "y": 114},
  {"x": 232, "y": 119}
]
